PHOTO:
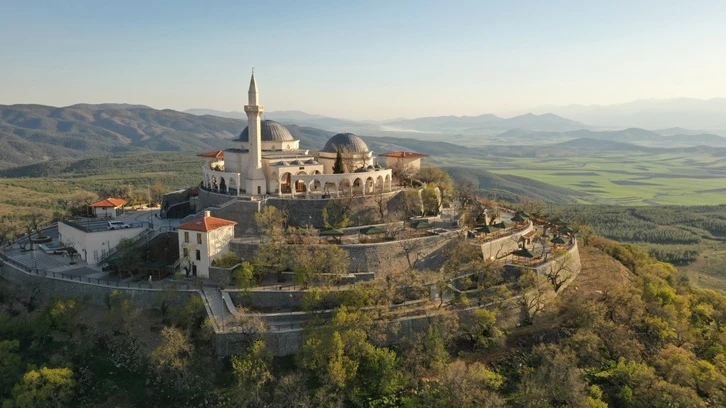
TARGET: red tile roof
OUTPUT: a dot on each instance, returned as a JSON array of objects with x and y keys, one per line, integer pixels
[
  {"x": 218, "y": 154},
  {"x": 404, "y": 155},
  {"x": 110, "y": 203},
  {"x": 206, "y": 224}
]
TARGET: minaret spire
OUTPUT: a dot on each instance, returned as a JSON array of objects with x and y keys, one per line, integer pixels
[
  {"x": 253, "y": 98},
  {"x": 255, "y": 181}
]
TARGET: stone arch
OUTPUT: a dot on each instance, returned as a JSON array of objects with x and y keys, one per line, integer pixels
[
  {"x": 232, "y": 187},
  {"x": 346, "y": 187},
  {"x": 379, "y": 184},
  {"x": 369, "y": 185},
  {"x": 358, "y": 185},
  {"x": 315, "y": 185},
  {"x": 222, "y": 185},
  {"x": 316, "y": 172},
  {"x": 388, "y": 182},
  {"x": 301, "y": 172},
  {"x": 207, "y": 181},
  {"x": 330, "y": 187},
  {"x": 285, "y": 184},
  {"x": 214, "y": 183}
]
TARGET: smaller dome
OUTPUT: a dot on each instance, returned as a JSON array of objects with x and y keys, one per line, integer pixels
[
  {"x": 377, "y": 167},
  {"x": 282, "y": 163},
  {"x": 346, "y": 143},
  {"x": 311, "y": 161},
  {"x": 296, "y": 163}
]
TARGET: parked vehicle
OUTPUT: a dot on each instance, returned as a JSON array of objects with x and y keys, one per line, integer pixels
[{"x": 114, "y": 225}]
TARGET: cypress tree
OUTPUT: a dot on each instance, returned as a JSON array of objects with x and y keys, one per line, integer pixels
[{"x": 338, "y": 167}]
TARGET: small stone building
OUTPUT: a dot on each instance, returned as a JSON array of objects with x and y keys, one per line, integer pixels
[
  {"x": 109, "y": 207},
  {"x": 203, "y": 240}
]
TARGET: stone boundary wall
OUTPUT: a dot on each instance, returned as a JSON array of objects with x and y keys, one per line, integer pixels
[
  {"x": 89, "y": 292},
  {"x": 568, "y": 263},
  {"x": 425, "y": 253},
  {"x": 288, "y": 342},
  {"x": 504, "y": 245},
  {"x": 364, "y": 209}
]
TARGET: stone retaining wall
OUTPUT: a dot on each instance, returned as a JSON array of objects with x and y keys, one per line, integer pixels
[
  {"x": 363, "y": 209},
  {"x": 425, "y": 253},
  {"x": 288, "y": 342},
  {"x": 504, "y": 245},
  {"x": 90, "y": 292}
]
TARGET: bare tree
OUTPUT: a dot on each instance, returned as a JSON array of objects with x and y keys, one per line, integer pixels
[
  {"x": 412, "y": 249},
  {"x": 404, "y": 174},
  {"x": 560, "y": 270},
  {"x": 535, "y": 290}
]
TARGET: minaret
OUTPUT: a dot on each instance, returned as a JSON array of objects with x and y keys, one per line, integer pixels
[{"x": 255, "y": 183}]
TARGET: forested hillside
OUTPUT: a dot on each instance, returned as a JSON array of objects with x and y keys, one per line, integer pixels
[{"x": 622, "y": 335}]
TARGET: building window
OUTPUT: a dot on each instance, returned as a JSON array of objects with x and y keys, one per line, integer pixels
[
  {"x": 199, "y": 255},
  {"x": 186, "y": 252},
  {"x": 199, "y": 238},
  {"x": 259, "y": 190},
  {"x": 186, "y": 236},
  {"x": 95, "y": 254}
]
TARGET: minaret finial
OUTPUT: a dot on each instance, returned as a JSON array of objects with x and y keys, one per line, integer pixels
[{"x": 253, "y": 70}]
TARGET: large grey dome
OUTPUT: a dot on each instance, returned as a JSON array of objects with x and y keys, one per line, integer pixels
[
  {"x": 271, "y": 132},
  {"x": 347, "y": 143}
]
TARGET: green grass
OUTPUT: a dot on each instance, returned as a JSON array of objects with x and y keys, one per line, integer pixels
[{"x": 635, "y": 178}]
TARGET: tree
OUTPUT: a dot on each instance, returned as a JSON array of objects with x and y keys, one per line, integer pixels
[
  {"x": 535, "y": 291},
  {"x": 338, "y": 167},
  {"x": 12, "y": 365},
  {"x": 156, "y": 192},
  {"x": 403, "y": 173},
  {"x": 273, "y": 255},
  {"x": 9, "y": 229},
  {"x": 32, "y": 223},
  {"x": 243, "y": 276},
  {"x": 44, "y": 387},
  {"x": 559, "y": 270},
  {"x": 431, "y": 201},
  {"x": 465, "y": 192},
  {"x": 172, "y": 360},
  {"x": 462, "y": 385},
  {"x": 80, "y": 203},
  {"x": 479, "y": 328},
  {"x": 336, "y": 213},
  {"x": 554, "y": 381},
  {"x": 311, "y": 260},
  {"x": 252, "y": 370}
]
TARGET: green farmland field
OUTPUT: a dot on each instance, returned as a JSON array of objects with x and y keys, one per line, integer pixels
[{"x": 636, "y": 178}]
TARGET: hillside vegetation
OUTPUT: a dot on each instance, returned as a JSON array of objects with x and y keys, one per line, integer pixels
[{"x": 626, "y": 333}]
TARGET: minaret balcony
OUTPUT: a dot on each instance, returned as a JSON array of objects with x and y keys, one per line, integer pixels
[{"x": 254, "y": 108}]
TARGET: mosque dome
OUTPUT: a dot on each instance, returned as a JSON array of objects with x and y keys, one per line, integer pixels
[
  {"x": 271, "y": 132},
  {"x": 347, "y": 143}
]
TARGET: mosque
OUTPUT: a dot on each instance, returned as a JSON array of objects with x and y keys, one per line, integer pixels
[{"x": 267, "y": 161}]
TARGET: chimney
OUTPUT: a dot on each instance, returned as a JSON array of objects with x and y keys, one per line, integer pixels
[{"x": 207, "y": 213}]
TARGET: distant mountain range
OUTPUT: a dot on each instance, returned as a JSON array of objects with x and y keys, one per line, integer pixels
[
  {"x": 687, "y": 113},
  {"x": 438, "y": 124},
  {"x": 35, "y": 133}
]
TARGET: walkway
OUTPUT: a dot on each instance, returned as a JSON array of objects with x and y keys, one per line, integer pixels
[{"x": 217, "y": 306}]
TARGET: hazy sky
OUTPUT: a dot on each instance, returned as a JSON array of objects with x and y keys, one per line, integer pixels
[{"x": 361, "y": 59}]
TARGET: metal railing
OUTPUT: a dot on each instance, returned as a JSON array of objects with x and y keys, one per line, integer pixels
[
  {"x": 140, "y": 239},
  {"x": 94, "y": 281}
]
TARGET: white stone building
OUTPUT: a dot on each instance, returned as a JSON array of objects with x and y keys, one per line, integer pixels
[
  {"x": 203, "y": 240},
  {"x": 93, "y": 244},
  {"x": 267, "y": 160}
]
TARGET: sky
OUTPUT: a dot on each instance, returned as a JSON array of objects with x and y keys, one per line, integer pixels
[{"x": 361, "y": 59}]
